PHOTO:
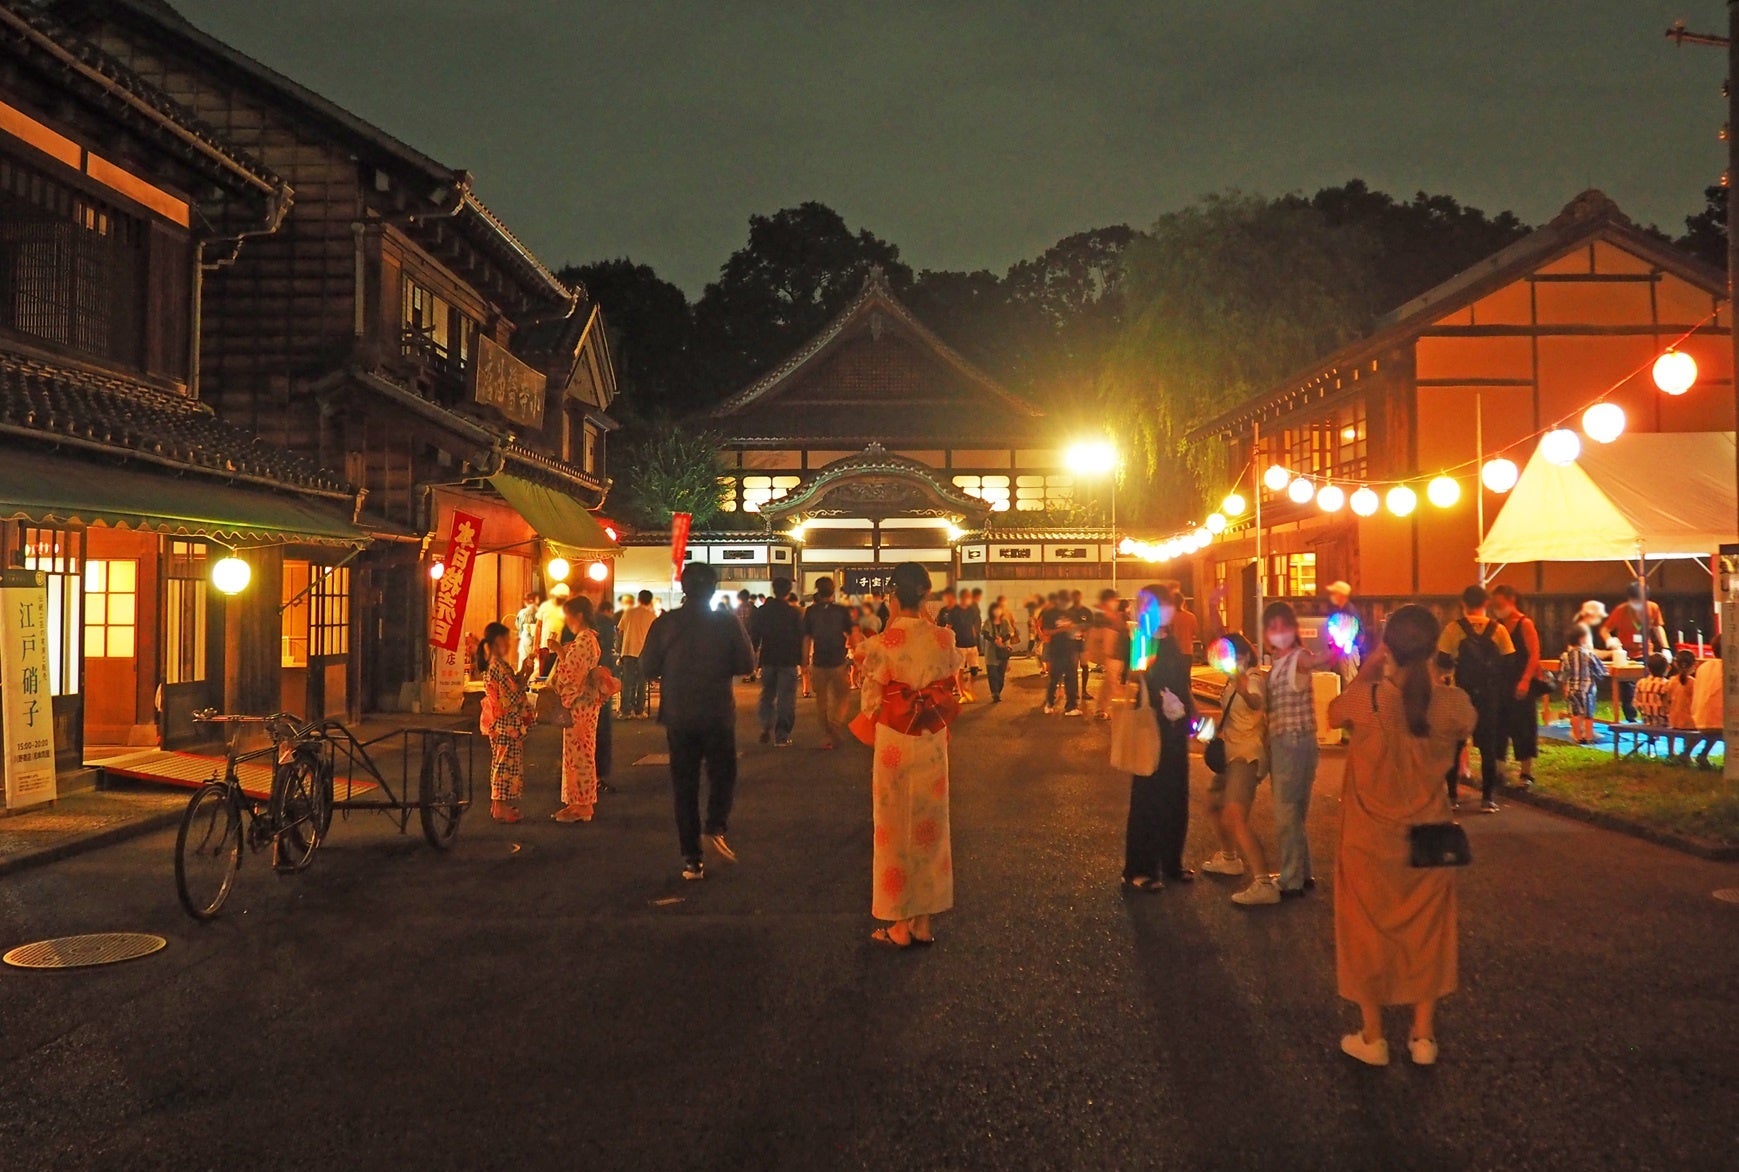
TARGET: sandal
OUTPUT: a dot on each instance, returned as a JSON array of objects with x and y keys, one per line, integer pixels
[
  {"x": 508, "y": 814},
  {"x": 1146, "y": 884},
  {"x": 885, "y": 937}
]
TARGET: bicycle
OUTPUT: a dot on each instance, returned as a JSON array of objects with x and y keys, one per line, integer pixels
[{"x": 291, "y": 820}]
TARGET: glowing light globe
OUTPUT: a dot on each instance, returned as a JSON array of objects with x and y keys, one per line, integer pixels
[
  {"x": 1222, "y": 655},
  {"x": 231, "y": 575},
  {"x": 1233, "y": 506},
  {"x": 558, "y": 569},
  {"x": 1216, "y": 523},
  {"x": 1499, "y": 475},
  {"x": 1402, "y": 500},
  {"x": 597, "y": 571},
  {"x": 1331, "y": 499},
  {"x": 1560, "y": 447},
  {"x": 1365, "y": 502},
  {"x": 1443, "y": 491},
  {"x": 437, "y": 571},
  {"x": 1301, "y": 491},
  {"x": 1276, "y": 478},
  {"x": 1603, "y": 422},
  {"x": 1342, "y": 630},
  {"x": 1675, "y": 372},
  {"x": 1126, "y": 547}
]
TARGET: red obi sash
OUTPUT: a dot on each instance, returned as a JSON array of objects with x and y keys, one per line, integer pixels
[{"x": 910, "y": 710}]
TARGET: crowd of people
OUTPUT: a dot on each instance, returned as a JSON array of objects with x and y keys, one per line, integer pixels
[{"x": 1412, "y": 703}]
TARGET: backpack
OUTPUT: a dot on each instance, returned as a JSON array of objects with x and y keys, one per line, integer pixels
[{"x": 1479, "y": 665}]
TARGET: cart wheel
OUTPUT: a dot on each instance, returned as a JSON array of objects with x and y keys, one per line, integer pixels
[
  {"x": 440, "y": 792},
  {"x": 208, "y": 850},
  {"x": 299, "y": 810},
  {"x": 326, "y": 800}
]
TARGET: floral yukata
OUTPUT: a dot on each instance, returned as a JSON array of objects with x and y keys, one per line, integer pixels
[
  {"x": 505, "y": 723},
  {"x": 572, "y": 680},
  {"x": 914, "y": 864}
]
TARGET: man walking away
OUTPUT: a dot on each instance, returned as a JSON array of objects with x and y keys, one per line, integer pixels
[
  {"x": 1062, "y": 657},
  {"x": 1478, "y": 645},
  {"x": 968, "y": 627},
  {"x": 696, "y": 653},
  {"x": 634, "y": 624},
  {"x": 776, "y": 633},
  {"x": 826, "y": 630},
  {"x": 604, "y": 752}
]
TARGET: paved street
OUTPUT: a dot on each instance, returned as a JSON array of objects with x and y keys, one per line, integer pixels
[{"x": 545, "y": 1007}]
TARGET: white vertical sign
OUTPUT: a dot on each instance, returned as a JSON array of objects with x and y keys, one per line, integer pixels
[
  {"x": 27, "y": 704},
  {"x": 449, "y": 680}
]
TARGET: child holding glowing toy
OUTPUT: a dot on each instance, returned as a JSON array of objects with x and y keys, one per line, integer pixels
[
  {"x": 1243, "y": 724},
  {"x": 1292, "y": 747}
]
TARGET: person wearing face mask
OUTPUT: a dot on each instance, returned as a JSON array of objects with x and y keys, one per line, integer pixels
[
  {"x": 1520, "y": 726},
  {"x": 1292, "y": 749},
  {"x": 1640, "y": 629},
  {"x": 1159, "y": 804}
]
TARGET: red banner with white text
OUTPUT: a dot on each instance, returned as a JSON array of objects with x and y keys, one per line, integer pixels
[
  {"x": 679, "y": 527},
  {"x": 447, "y": 619}
]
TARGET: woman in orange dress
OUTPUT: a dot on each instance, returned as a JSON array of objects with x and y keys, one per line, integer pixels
[
  {"x": 574, "y": 683},
  {"x": 1394, "y": 924},
  {"x": 908, "y": 700}
]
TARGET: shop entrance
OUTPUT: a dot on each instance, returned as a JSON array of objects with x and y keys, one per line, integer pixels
[{"x": 315, "y": 644}]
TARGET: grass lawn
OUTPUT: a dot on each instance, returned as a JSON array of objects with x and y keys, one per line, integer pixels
[{"x": 1675, "y": 798}]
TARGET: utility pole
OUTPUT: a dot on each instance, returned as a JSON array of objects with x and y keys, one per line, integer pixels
[{"x": 1724, "y": 597}]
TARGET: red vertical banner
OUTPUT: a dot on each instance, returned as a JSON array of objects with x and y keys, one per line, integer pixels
[
  {"x": 447, "y": 621},
  {"x": 680, "y": 523}
]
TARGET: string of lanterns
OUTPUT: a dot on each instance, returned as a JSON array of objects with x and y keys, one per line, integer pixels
[{"x": 1603, "y": 421}]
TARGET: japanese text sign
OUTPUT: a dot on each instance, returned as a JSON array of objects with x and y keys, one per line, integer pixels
[
  {"x": 26, "y": 700},
  {"x": 447, "y": 616}
]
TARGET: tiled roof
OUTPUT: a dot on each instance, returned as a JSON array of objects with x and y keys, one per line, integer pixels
[
  {"x": 1088, "y": 533},
  {"x": 80, "y": 408}
]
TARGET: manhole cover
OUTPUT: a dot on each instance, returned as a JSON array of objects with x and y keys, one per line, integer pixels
[
  {"x": 1728, "y": 894},
  {"x": 77, "y": 952}
]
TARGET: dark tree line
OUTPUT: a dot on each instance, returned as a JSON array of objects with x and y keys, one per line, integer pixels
[{"x": 1154, "y": 330}]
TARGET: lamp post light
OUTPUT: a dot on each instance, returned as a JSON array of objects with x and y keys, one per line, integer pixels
[{"x": 1098, "y": 458}]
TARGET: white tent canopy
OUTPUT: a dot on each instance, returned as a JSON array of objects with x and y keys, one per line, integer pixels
[{"x": 1647, "y": 494}]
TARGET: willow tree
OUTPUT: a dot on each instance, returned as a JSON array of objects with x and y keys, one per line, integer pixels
[
  {"x": 1221, "y": 300},
  {"x": 663, "y": 469}
]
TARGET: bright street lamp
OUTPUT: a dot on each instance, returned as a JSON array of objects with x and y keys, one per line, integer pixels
[{"x": 1097, "y": 458}]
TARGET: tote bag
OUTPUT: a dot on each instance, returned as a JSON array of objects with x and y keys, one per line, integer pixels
[{"x": 1135, "y": 735}]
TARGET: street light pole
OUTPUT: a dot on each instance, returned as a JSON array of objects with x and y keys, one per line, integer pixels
[{"x": 1113, "y": 528}]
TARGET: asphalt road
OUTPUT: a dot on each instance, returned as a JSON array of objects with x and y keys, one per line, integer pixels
[{"x": 548, "y": 1007}]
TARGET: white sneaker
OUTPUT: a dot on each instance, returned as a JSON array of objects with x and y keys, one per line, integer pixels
[
  {"x": 1224, "y": 863},
  {"x": 1370, "y": 1053},
  {"x": 1423, "y": 1051},
  {"x": 718, "y": 843},
  {"x": 1262, "y": 890},
  {"x": 1049, "y": 709}
]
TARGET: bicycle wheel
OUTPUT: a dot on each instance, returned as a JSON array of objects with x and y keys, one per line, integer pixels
[
  {"x": 208, "y": 850},
  {"x": 440, "y": 794},
  {"x": 298, "y": 810}
]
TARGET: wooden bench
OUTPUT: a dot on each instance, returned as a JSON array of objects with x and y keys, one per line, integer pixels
[{"x": 1647, "y": 737}]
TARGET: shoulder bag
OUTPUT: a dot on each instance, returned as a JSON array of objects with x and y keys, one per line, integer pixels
[
  {"x": 1135, "y": 734},
  {"x": 1214, "y": 752},
  {"x": 1434, "y": 844}
]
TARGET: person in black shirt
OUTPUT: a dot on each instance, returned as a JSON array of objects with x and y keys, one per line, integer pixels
[
  {"x": 604, "y": 624},
  {"x": 1082, "y": 616},
  {"x": 1159, "y": 804},
  {"x": 697, "y": 653},
  {"x": 826, "y": 630},
  {"x": 967, "y": 623},
  {"x": 1062, "y": 656},
  {"x": 776, "y": 631}
]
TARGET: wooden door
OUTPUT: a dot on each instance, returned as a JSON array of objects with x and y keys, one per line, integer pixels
[{"x": 111, "y": 647}]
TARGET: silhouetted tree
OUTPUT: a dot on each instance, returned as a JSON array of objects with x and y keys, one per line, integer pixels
[
  {"x": 1706, "y": 232},
  {"x": 651, "y": 332}
]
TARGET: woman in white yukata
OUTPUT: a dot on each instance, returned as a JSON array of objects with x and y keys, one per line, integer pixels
[{"x": 908, "y": 702}]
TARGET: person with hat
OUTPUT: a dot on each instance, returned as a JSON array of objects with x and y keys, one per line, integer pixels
[
  {"x": 1639, "y": 629},
  {"x": 1343, "y": 633}
]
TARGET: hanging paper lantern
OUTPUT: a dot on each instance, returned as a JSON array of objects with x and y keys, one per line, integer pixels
[
  {"x": 438, "y": 570},
  {"x": 1301, "y": 491},
  {"x": 558, "y": 569},
  {"x": 1365, "y": 502},
  {"x": 1402, "y": 500},
  {"x": 1675, "y": 372},
  {"x": 1216, "y": 523},
  {"x": 231, "y": 575},
  {"x": 1603, "y": 422},
  {"x": 597, "y": 571},
  {"x": 1276, "y": 478},
  {"x": 1331, "y": 499},
  {"x": 1560, "y": 447},
  {"x": 1499, "y": 475},
  {"x": 1443, "y": 491},
  {"x": 1233, "y": 506}
]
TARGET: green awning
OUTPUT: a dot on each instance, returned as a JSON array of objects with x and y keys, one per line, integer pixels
[
  {"x": 558, "y": 518},
  {"x": 57, "y": 489}
]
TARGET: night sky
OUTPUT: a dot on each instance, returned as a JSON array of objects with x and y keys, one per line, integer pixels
[{"x": 973, "y": 135}]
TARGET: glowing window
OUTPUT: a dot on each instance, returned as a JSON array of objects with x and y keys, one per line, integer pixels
[{"x": 111, "y": 608}]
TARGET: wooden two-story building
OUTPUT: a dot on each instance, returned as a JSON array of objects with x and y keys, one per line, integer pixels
[
  {"x": 116, "y": 483},
  {"x": 1473, "y": 370},
  {"x": 391, "y": 328}
]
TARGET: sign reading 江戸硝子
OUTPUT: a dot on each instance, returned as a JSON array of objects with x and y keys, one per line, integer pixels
[
  {"x": 501, "y": 381},
  {"x": 26, "y": 700}
]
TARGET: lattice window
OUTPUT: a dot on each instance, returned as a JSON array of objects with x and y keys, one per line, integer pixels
[
  {"x": 111, "y": 608},
  {"x": 57, "y": 553},
  {"x": 184, "y": 613}
]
